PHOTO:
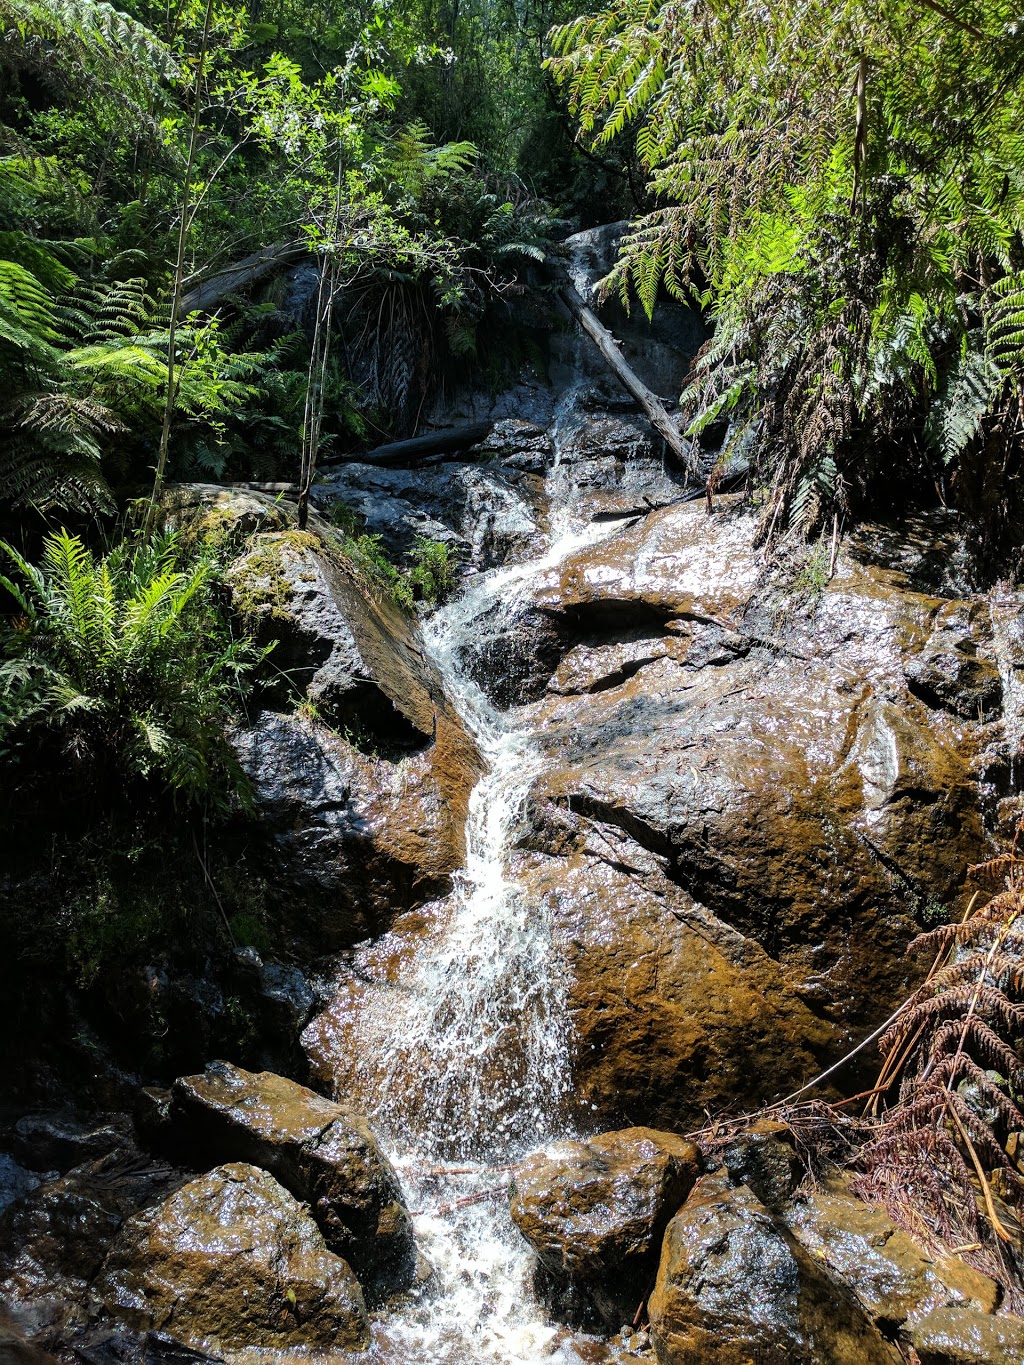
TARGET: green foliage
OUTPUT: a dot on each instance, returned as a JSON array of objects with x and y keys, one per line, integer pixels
[
  {"x": 430, "y": 576},
  {"x": 119, "y": 672},
  {"x": 309, "y": 126},
  {"x": 843, "y": 189},
  {"x": 434, "y": 570}
]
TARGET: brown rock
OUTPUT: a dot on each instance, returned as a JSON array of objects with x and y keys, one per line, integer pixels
[
  {"x": 766, "y": 781},
  {"x": 895, "y": 1279},
  {"x": 52, "y": 1242},
  {"x": 324, "y": 1153},
  {"x": 232, "y": 1263},
  {"x": 965, "y": 1336},
  {"x": 672, "y": 1009},
  {"x": 594, "y": 1211},
  {"x": 733, "y": 1287}
]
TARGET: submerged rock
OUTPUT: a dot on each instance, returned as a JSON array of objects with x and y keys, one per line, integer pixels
[
  {"x": 232, "y": 1263},
  {"x": 733, "y": 1287},
  {"x": 324, "y": 1153},
  {"x": 595, "y": 1211}
]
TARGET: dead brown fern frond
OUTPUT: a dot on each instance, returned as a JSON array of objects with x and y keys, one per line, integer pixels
[{"x": 937, "y": 1155}]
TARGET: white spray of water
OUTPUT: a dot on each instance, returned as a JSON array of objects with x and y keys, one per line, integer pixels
[
  {"x": 1008, "y": 647},
  {"x": 462, "y": 1062}
]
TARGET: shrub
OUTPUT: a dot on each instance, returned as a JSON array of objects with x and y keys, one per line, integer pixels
[
  {"x": 119, "y": 674},
  {"x": 433, "y": 571}
]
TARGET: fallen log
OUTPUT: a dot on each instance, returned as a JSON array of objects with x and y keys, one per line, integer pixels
[
  {"x": 650, "y": 403},
  {"x": 446, "y": 442},
  {"x": 240, "y": 275}
]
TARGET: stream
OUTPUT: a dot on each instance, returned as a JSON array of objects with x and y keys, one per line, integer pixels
[{"x": 462, "y": 1063}]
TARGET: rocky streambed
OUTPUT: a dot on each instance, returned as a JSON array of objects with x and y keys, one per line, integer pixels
[{"x": 633, "y": 832}]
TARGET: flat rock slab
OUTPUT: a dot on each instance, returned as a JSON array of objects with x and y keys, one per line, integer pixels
[
  {"x": 324, "y": 1153},
  {"x": 232, "y": 1264}
]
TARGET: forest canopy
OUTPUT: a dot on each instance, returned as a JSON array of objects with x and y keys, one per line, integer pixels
[
  {"x": 840, "y": 186},
  {"x": 837, "y": 189}
]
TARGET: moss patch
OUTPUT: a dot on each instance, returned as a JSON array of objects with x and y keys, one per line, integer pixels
[{"x": 260, "y": 586}]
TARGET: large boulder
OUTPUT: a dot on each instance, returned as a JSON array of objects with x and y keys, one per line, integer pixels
[
  {"x": 53, "y": 1240},
  {"x": 232, "y": 1263},
  {"x": 324, "y": 1153},
  {"x": 746, "y": 813},
  {"x": 671, "y": 1008},
  {"x": 595, "y": 1211},
  {"x": 734, "y": 1286},
  {"x": 360, "y": 802},
  {"x": 897, "y": 1281}
]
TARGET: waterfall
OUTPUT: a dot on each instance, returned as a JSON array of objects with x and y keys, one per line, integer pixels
[
  {"x": 1008, "y": 648},
  {"x": 460, "y": 1058}
]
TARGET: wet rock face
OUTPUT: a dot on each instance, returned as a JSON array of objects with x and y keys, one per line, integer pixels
[
  {"x": 352, "y": 657},
  {"x": 324, "y": 1153},
  {"x": 595, "y": 1211},
  {"x": 961, "y": 1336},
  {"x": 59, "y": 1141},
  {"x": 671, "y": 1008},
  {"x": 744, "y": 812},
  {"x": 951, "y": 673},
  {"x": 733, "y": 1287},
  {"x": 898, "y": 1283},
  {"x": 763, "y": 1158},
  {"x": 232, "y": 1263},
  {"x": 487, "y": 513},
  {"x": 350, "y": 838},
  {"x": 359, "y": 821},
  {"x": 54, "y": 1239},
  {"x": 611, "y": 465}
]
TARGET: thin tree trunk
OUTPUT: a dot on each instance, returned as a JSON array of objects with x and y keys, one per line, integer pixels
[
  {"x": 179, "y": 271},
  {"x": 314, "y": 408},
  {"x": 240, "y": 275},
  {"x": 651, "y": 404}
]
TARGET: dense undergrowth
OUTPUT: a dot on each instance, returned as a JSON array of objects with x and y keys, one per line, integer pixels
[
  {"x": 841, "y": 187},
  {"x": 145, "y": 147}
]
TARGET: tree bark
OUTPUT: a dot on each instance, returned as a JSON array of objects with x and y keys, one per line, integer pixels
[
  {"x": 650, "y": 403},
  {"x": 446, "y": 442},
  {"x": 240, "y": 275}
]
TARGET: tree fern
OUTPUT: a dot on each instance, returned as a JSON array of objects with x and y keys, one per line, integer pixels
[
  {"x": 121, "y": 668},
  {"x": 848, "y": 168}
]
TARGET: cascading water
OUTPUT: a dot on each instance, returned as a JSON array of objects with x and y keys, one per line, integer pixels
[{"x": 461, "y": 1058}]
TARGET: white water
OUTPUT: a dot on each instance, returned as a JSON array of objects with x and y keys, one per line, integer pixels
[
  {"x": 463, "y": 1053},
  {"x": 1008, "y": 647}
]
